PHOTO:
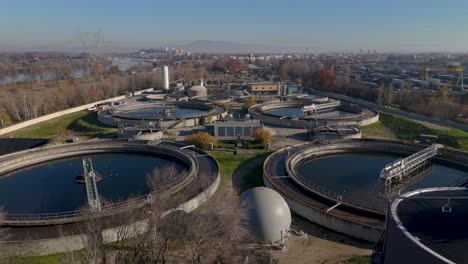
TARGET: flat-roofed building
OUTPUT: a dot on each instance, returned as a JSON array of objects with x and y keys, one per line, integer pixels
[
  {"x": 264, "y": 89},
  {"x": 235, "y": 128}
]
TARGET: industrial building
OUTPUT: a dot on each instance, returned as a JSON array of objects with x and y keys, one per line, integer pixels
[
  {"x": 235, "y": 128},
  {"x": 264, "y": 89},
  {"x": 426, "y": 226},
  {"x": 290, "y": 88}
]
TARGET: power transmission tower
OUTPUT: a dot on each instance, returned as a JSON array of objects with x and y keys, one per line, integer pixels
[{"x": 92, "y": 43}]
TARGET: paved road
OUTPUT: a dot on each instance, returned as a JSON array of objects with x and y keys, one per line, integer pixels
[{"x": 391, "y": 110}]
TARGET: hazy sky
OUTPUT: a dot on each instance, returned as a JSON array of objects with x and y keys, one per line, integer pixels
[{"x": 346, "y": 25}]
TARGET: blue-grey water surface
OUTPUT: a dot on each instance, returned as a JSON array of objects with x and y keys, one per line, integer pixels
[
  {"x": 356, "y": 176},
  {"x": 50, "y": 187}
]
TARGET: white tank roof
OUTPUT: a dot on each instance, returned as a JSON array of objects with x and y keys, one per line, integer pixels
[
  {"x": 268, "y": 213},
  {"x": 197, "y": 88}
]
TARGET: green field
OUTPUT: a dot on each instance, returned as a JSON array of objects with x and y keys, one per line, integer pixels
[
  {"x": 49, "y": 259},
  {"x": 408, "y": 130},
  {"x": 228, "y": 162},
  {"x": 82, "y": 124}
]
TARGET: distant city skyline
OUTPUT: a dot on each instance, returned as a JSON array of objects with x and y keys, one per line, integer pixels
[{"x": 313, "y": 26}]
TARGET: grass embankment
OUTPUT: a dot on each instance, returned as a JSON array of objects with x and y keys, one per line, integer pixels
[
  {"x": 82, "y": 124},
  {"x": 48, "y": 259},
  {"x": 397, "y": 127},
  {"x": 228, "y": 162},
  {"x": 357, "y": 260}
]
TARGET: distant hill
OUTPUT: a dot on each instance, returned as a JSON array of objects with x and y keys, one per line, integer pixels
[{"x": 210, "y": 46}]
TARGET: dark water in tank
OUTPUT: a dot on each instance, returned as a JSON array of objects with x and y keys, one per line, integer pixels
[
  {"x": 158, "y": 112},
  {"x": 297, "y": 112},
  {"x": 356, "y": 176},
  {"x": 50, "y": 187}
]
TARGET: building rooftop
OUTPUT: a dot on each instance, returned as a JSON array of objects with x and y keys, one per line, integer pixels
[
  {"x": 438, "y": 219},
  {"x": 249, "y": 122}
]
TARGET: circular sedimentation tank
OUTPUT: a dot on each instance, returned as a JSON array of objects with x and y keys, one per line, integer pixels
[
  {"x": 51, "y": 186},
  {"x": 39, "y": 192},
  {"x": 38, "y": 183},
  {"x": 292, "y": 114},
  {"x": 426, "y": 226},
  {"x": 337, "y": 184},
  {"x": 164, "y": 114}
]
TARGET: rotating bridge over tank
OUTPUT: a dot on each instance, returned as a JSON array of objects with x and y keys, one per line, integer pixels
[
  {"x": 397, "y": 170},
  {"x": 305, "y": 114}
]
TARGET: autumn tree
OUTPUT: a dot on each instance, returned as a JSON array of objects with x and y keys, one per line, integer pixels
[
  {"x": 201, "y": 140},
  {"x": 262, "y": 135},
  {"x": 284, "y": 71},
  {"x": 5, "y": 119},
  {"x": 114, "y": 69},
  {"x": 231, "y": 65},
  {"x": 323, "y": 79},
  {"x": 250, "y": 102}
]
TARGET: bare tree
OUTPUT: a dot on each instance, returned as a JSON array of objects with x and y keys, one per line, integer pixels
[
  {"x": 161, "y": 177},
  {"x": 161, "y": 232},
  {"x": 14, "y": 109},
  {"x": 36, "y": 103},
  {"x": 215, "y": 234}
]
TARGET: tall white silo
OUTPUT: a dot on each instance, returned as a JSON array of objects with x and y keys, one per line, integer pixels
[{"x": 165, "y": 77}]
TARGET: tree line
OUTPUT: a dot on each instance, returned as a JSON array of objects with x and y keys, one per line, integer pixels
[
  {"x": 28, "y": 103},
  {"x": 437, "y": 103}
]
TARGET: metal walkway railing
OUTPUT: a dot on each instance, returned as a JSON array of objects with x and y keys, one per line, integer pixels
[
  {"x": 395, "y": 171},
  {"x": 315, "y": 108}
]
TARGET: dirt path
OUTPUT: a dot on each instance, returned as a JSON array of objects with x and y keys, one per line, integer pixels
[
  {"x": 321, "y": 245},
  {"x": 382, "y": 132},
  {"x": 432, "y": 125}
]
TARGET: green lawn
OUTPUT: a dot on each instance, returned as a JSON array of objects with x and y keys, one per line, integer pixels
[
  {"x": 83, "y": 124},
  {"x": 228, "y": 162},
  {"x": 48, "y": 259},
  {"x": 372, "y": 127},
  {"x": 408, "y": 130},
  {"x": 357, "y": 260}
]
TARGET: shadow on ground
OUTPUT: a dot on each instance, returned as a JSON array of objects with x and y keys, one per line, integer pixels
[
  {"x": 89, "y": 125},
  {"x": 249, "y": 174},
  {"x": 312, "y": 229},
  {"x": 184, "y": 133}
]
